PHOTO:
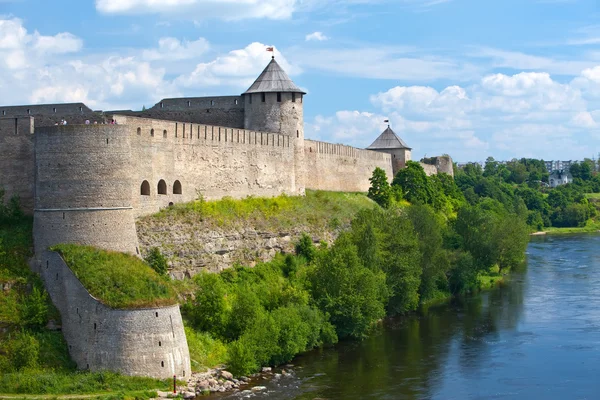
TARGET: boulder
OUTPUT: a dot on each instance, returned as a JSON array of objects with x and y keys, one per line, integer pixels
[{"x": 227, "y": 375}]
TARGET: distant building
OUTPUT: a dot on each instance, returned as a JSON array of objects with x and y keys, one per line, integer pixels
[
  {"x": 558, "y": 178},
  {"x": 558, "y": 165}
]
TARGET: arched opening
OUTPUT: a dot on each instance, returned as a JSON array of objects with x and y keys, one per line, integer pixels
[
  {"x": 152, "y": 132},
  {"x": 139, "y": 131},
  {"x": 165, "y": 133},
  {"x": 145, "y": 189},
  {"x": 162, "y": 187},
  {"x": 177, "y": 187}
]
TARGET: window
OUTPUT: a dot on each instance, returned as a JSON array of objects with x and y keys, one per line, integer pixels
[
  {"x": 212, "y": 102},
  {"x": 300, "y": 98},
  {"x": 279, "y": 97},
  {"x": 161, "y": 105},
  {"x": 54, "y": 110},
  {"x": 189, "y": 103},
  {"x": 152, "y": 132},
  {"x": 80, "y": 109},
  {"x": 162, "y": 187},
  {"x": 165, "y": 133},
  {"x": 263, "y": 97},
  {"x": 298, "y": 134},
  {"x": 236, "y": 101},
  {"x": 293, "y": 97},
  {"x": 177, "y": 187},
  {"x": 3, "y": 112},
  {"x": 28, "y": 111},
  {"x": 139, "y": 131},
  {"x": 145, "y": 189}
]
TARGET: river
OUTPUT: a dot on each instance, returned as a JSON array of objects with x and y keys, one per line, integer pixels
[{"x": 535, "y": 337}]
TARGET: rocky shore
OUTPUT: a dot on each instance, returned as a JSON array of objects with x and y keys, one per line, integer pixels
[{"x": 220, "y": 381}]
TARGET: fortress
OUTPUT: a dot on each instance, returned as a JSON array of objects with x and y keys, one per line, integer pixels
[{"x": 87, "y": 183}]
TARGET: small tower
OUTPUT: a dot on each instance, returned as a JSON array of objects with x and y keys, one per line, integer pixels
[
  {"x": 389, "y": 142},
  {"x": 274, "y": 104}
]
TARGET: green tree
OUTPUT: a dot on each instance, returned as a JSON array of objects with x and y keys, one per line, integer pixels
[
  {"x": 210, "y": 310},
  {"x": 414, "y": 183},
  {"x": 380, "y": 190},
  {"x": 344, "y": 288},
  {"x": 157, "y": 261}
]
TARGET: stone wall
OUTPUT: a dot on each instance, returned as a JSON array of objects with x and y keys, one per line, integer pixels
[
  {"x": 342, "y": 168},
  {"x": 145, "y": 342},
  {"x": 221, "y": 110},
  {"x": 83, "y": 187},
  {"x": 17, "y": 160},
  {"x": 205, "y": 160},
  {"x": 429, "y": 169},
  {"x": 50, "y": 114}
]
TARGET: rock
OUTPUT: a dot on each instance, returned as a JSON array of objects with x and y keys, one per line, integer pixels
[
  {"x": 244, "y": 378},
  {"x": 213, "y": 382},
  {"x": 189, "y": 395},
  {"x": 266, "y": 369},
  {"x": 258, "y": 388},
  {"x": 227, "y": 375},
  {"x": 204, "y": 384},
  {"x": 277, "y": 376},
  {"x": 245, "y": 392},
  {"x": 162, "y": 395}
]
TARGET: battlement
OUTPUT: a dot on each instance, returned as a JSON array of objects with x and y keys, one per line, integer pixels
[
  {"x": 344, "y": 151},
  {"x": 158, "y": 130}
]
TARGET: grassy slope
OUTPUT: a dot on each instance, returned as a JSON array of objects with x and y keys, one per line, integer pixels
[{"x": 116, "y": 279}]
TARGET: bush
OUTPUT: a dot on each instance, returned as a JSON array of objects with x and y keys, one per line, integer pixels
[
  {"x": 241, "y": 359},
  {"x": 306, "y": 248},
  {"x": 24, "y": 351},
  {"x": 210, "y": 310},
  {"x": 380, "y": 190},
  {"x": 346, "y": 290},
  {"x": 34, "y": 308},
  {"x": 157, "y": 261}
]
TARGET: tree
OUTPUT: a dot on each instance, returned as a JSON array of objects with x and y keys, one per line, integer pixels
[
  {"x": 380, "y": 190},
  {"x": 157, "y": 261},
  {"x": 414, "y": 183}
]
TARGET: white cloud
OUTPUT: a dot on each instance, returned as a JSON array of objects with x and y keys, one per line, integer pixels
[
  {"x": 201, "y": 9},
  {"x": 238, "y": 68},
  {"x": 173, "y": 49},
  {"x": 316, "y": 36},
  {"x": 527, "y": 114}
]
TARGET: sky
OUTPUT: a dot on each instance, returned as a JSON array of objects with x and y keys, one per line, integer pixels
[{"x": 469, "y": 78}]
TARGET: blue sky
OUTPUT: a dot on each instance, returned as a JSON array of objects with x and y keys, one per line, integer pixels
[{"x": 470, "y": 78}]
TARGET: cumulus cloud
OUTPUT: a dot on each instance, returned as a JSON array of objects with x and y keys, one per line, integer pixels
[
  {"x": 520, "y": 115},
  {"x": 316, "y": 36},
  {"x": 238, "y": 68},
  {"x": 173, "y": 49},
  {"x": 201, "y": 9}
]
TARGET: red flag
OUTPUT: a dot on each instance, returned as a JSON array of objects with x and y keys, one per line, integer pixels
[{"x": 270, "y": 49}]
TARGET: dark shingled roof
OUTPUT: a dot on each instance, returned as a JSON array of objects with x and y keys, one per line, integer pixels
[
  {"x": 388, "y": 140},
  {"x": 273, "y": 79}
]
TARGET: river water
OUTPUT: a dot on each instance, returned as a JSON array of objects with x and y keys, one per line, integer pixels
[{"x": 536, "y": 337}]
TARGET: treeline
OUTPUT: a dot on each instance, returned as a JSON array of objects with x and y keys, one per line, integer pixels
[
  {"x": 392, "y": 259},
  {"x": 526, "y": 179}
]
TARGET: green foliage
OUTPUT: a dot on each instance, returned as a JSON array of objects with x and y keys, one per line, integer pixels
[
  {"x": 210, "y": 311},
  {"x": 118, "y": 280},
  {"x": 34, "y": 308},
  {"x": 306, "y": 248},
  {"x": 157, "y": 261},
  {"x": 414, "y": 183},
  {"x": 205, "y": 351},
  {"x": 380, "y": 190},
  {"x": 23, "y": 351},
  {"x": 346, "y": 290}
]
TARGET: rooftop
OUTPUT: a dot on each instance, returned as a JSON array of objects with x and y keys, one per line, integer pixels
[
  {"x": 273, "y": 79},
  {"x": 388, "y": 140}
]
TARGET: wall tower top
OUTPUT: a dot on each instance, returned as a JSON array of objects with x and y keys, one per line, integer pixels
[
  {"x": 274, "y": 79},
  {"x": 388, "y": 140}
]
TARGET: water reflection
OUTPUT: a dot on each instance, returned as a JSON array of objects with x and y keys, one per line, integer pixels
[{"x": 537, "y": 336}]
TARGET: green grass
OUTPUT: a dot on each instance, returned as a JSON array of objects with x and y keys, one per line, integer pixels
[
  {"x": 592, "y": 195},
  {"x": 116, "y": 279},
  {"x": 317, "y": 208},
  {"x": 56, "y": 383},
  {"x": 205, "y": 351},
  {"x": 590, "y": 227}
]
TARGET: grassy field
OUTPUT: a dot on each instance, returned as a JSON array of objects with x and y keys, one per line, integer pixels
[
  {"x": 590, "y": 227},
  {"x": 317, "y": 208},
  {"x": 118, "y": 280}
]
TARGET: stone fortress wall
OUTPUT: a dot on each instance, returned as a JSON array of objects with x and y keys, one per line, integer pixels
[
  {"x": 342, "y": 167},
  {"x": 144, "y": 342},
  {"x": 86, "y": 184}
]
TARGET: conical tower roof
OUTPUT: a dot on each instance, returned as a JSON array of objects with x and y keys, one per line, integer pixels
[
  {"x": 388, "y": 140},
  {"x": 273, "y": 79}
]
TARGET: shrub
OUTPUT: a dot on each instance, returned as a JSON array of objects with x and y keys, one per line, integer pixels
[
  {"x": 34, "y": 308},
  {"x": 241, "y": 359},
  {"x": 24, "y": 351},
  {"x": 157, "y": 261},
  {"x": 306, "y": 248},
  {"x": 380, "y": 190},
  {"x": 210, "y": 310}
]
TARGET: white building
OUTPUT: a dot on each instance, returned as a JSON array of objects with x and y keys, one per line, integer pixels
[{"x": 558, "y": 178}]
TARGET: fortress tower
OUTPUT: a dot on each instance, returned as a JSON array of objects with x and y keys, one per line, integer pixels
[
  {"x": 389, "y": 142},
  {"x": 274, "y": 104}
]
